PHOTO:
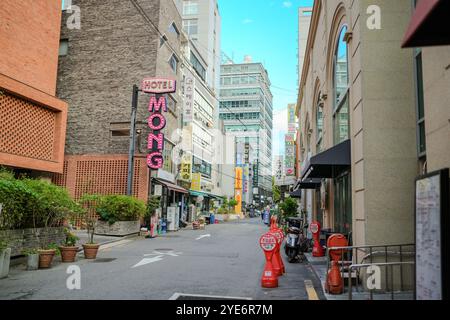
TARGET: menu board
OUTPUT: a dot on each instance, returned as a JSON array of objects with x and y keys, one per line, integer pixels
[{"x": 431, "y": 197}]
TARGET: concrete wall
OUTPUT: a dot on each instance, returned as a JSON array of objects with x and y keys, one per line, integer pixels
[{"x": 436, "y": 74}]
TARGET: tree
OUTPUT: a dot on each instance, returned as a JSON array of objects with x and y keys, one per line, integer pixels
[
  {"x": 289, "y": 208},
  {"x": 276, "y": 192},
  {"x": 232, "y": 203}
]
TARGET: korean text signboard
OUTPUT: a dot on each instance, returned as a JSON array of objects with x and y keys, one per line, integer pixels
[
  {"x": 432, "y": 239},
  {"x": 268, "y": 242},
  {"x": 157, "y": 121},
  {"x": 188, "y": 103}
]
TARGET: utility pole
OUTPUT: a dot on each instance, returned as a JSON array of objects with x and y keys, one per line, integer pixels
[{"x": 134, "y": 104}]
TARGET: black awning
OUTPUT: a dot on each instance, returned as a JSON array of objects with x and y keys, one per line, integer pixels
[
  {"x": 429, "y": 25},
  {"x": 296, "y": 193},
  {"x": 330, "y": 163},
  {"x": 313, "y": 183}
]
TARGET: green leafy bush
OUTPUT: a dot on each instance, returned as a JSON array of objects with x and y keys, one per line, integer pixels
[
  {"x": 289, "y": 208},
  {"x": 30, "y": 203},
  {"x": 115, "y": 208},
  {"x": 71, "y": 239}
]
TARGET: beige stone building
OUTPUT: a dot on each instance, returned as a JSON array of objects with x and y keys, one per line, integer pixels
[{"x": 358, "y": 147}]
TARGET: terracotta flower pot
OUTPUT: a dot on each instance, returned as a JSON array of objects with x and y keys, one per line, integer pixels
[
  {"x": 46, "y": 258},
  {"x": 68, "y": 254},
  {"x": 90, "y": 250}
]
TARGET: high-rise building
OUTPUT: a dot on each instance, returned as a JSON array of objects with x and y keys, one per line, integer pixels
[
  {"x": 202, "y": 22},
  {"x": 32, "y": 118},
  {"x": 246, "y": 109}
]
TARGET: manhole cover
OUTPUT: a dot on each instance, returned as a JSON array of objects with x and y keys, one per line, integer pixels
[
  {"x": 102, "y": 260},
  {"x": 164, "y": 249}
]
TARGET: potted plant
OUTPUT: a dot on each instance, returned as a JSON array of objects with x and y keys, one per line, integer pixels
[
  {"x": 32, "y": 258},
  {"x": 5, "y": 256},
  {"x": 47, "y": 254},
  {"x": 119, "y": 215},
  {"x": 69, "y": 249},
  {"x": 90, "y": 248}
]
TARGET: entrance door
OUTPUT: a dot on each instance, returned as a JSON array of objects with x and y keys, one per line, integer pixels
[{"x": 343, "y": 204}]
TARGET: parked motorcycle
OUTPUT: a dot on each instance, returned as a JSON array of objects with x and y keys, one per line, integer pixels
[{"x": 297, "y": 242}]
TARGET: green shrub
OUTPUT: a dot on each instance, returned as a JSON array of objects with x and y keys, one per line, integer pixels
[
  {"x": 30, "y": 203},
  {"x": 114, "y": 208},
  {"x": 289, "y": 208}
]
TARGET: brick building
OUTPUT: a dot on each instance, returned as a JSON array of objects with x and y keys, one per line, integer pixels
[
  {"x": 32, "y": 119},
  {"x": 116, "y": 47}
]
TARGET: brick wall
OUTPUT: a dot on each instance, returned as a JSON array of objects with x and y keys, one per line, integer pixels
[
  {"x": 26, "y": 239},
  {"x": 116, "y": 48},
  {"x": 29, "y": 37}
]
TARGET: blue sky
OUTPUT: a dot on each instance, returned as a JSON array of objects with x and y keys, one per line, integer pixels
[{"x": 268, "y": 31}]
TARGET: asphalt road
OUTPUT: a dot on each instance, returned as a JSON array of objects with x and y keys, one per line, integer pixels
[{"x": 223, "y": 260}]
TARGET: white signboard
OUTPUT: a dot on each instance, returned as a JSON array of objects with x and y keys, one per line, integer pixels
[
  {"x": 188, "y": 103},
  {"x": 429, "y": 247}
]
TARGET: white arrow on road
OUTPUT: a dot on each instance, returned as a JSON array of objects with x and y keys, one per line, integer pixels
[
  {"x": 169, "y": 253},
  {"x": 145, "y": 261},
  {"x": 203, "y": 236}
]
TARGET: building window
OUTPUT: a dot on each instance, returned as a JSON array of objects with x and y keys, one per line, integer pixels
[
  {"x": 190, "y": 7},
  {"x": 174, "y": 29},
  {"x": 63, "y": 47},
  {"x": 162, "y": 40},
  {"x": 191, "y": 27},
  {"x": 319, "y": 125},
  {"x": 421, "y": 136},
  {"x": 341, "y": 119},
  {"x": 173, "y": 63},
  {"x": 198, "y": 67},
  {"x": 167, "y": 155}
]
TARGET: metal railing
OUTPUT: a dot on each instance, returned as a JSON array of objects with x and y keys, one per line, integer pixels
[
  {"x": 354, "y": 258},
  {"x": 381, "y": 264}
]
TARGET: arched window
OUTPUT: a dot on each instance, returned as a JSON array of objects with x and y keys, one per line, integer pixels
[
  {"x": 319, "y": 125},
  {"x": 341, "y": 119}
]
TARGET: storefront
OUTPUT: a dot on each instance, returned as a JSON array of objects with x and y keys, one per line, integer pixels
[
  {"x": 173, "y": 201},
  {"x": 203, "y": 203},
  {"x": 334, "y": 165}
]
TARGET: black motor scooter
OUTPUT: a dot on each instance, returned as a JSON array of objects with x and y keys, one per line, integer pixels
[{"x": 296, "y": 241}]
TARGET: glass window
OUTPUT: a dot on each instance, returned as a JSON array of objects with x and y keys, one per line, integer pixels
[
  {"x": 174, "y": 29},
  {"x": 167, "y": 155},
  {"x": 421, "y": 136},
  {"x": 190, "y": 7},
  {"x": 63, "y": 47},
  {"x": 201, "y": 71},
  {"x": 341, "y": 119},
  {"x": 173, "y": 63},
  {"x": 319, "y": 125},
  {"x": 191, "y": 27}
]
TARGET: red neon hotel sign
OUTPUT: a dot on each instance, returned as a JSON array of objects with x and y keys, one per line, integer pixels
[{"x": 156, "y": 121}]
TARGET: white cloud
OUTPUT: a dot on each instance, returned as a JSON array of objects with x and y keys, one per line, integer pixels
[
  {"x": 247, "y": 21},
  {"x": 287, "y": 4}
]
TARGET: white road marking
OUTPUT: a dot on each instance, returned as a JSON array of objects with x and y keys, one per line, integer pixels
[
  {"x": 147, "y": 261},
  {"x": 203, "y": 236},
  {"x": 169, "y": 253}
]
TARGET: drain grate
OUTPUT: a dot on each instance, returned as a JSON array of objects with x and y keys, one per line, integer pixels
[
  {"x": 186, "y": 296},
  {"x": 164, "y": 249},
  {"x": 103, "y": 260}
]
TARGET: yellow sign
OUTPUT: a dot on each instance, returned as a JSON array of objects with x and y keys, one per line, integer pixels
[
  {"x": 238, "y": 179},
  {"x": 238, "y": 197},
  {"x": 196, "y": 182},
  {"x": 186, "y": 168}
]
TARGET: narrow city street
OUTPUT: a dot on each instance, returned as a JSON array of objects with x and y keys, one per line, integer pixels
[{"x": 223, "y": 260}]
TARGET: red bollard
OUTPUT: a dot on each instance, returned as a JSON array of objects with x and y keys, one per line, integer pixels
[
  {"x": 268, "y": 243},
  {"x": 334, "y": 283},
  {"x": 317, "y": 249},
  {"x": 276, "y": 260}
]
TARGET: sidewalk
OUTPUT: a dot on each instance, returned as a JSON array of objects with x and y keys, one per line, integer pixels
[{"x": 319, "y": 265}]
